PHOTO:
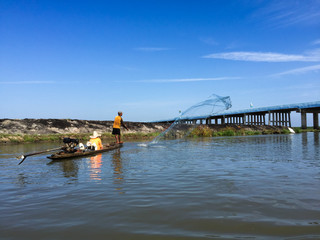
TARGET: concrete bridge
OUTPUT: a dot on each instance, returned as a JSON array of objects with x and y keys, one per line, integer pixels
[{"x": 275, "y": 116}]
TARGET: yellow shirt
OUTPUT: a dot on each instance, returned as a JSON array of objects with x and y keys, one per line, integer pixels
[
  {"x": 97, "y": 141},
  {"x": 117, "y": 122}
]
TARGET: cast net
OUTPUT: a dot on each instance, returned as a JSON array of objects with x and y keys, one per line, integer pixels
[{"x": 213, "y": 105}]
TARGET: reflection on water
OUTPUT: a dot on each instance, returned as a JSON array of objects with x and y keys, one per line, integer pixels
[
  {"x": 255, "y": 187},
  {"x": 316, "y": 138},
  {"x": 22, "y": 180},
  {"x": 118, "y": 174},
  {"x": 70, "y": 169},
  {"x": 96, "y": 162}
]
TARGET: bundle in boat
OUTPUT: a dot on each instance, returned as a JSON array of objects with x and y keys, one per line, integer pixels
[{"x": 70, "y": 152}]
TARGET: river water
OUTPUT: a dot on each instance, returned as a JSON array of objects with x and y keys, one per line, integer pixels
[{"x": 255, "y": 187}]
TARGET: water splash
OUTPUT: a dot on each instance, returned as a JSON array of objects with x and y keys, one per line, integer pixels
[{"x": 213, "y": 105}]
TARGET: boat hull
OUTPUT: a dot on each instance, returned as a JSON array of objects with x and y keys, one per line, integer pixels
[{"x": 62, "y": 155}]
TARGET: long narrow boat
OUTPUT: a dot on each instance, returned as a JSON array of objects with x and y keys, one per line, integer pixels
[{"x": 79, "y": 153}]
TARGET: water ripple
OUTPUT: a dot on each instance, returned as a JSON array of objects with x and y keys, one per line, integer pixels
[{"x": 259, "y": 187}]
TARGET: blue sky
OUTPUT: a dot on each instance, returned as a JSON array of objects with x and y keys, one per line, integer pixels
[{"x": 150, "y": 59}]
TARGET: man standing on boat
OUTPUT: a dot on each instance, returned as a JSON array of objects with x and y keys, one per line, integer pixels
[{"x": 116, "y": 127}]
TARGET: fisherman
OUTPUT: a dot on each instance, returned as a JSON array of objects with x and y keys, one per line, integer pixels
[
  {"x": 96, "y": 141},
  {"x": 116, "y": 127}
]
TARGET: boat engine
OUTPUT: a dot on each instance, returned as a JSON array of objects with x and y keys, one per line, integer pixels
[{"x": 70, "y": 144}]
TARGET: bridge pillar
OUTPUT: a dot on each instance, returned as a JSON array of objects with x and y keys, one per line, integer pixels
[
  {"x": 289, "y": 118},
  {"x": 273, "y": 119},
  {"x": 286, "y": 119},
  {"x": 303, "y": 120},
  {"x": 315, "y": 121}
]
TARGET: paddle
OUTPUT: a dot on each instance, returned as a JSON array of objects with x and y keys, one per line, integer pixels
[{"x": 23, "y": 157}]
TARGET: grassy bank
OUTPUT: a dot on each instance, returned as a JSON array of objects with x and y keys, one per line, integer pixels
[
  {"x": 199, "y": 131},
  {"x": 107, "y": 137},
  {"x": 308, "y": 129},
  {"x": 205, "y": 131}
]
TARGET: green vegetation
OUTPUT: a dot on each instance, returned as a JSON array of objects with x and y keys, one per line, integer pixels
[
  {"x": 308, "y": 129},
  {"x": 140, "y": 135},
  {"x": 285, "y": 131},
  {"x": 199, "y": 131},
  {"x": 297, "y": 129},
  {"x": 205, "y": 131},
  {"x": 19, "y": 138}
]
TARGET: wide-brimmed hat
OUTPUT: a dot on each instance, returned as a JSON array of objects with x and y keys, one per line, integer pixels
[{"x": 95, "y": 134}]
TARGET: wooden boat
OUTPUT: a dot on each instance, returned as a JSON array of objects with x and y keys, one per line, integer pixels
[{"x": 80, "y": 153}]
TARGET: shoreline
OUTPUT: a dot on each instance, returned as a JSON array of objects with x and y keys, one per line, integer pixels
[
  {"x": 34, "y": 138},
  {"x": 197, "y": 132},
  {"x": 54, "y": 130}
]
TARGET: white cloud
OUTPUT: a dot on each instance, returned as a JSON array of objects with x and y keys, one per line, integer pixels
[
  {"x": 187, "y": 80},
  {"x": 299, "y": 70},
  {"x": 316, "y": 42},
  {"x": 280, "y": 13},
  {"x": 151, "y": 49},
  {"x": 266, "y": 56}
]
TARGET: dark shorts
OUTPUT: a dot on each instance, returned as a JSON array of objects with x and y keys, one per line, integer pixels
[{"x": 116, "y": 131}]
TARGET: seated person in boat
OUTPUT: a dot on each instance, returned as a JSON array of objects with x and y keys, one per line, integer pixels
[{"x": 96, "y": 141}]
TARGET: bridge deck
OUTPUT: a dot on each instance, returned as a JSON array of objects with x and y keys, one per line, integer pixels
[{"x": 274, "y": 115}]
